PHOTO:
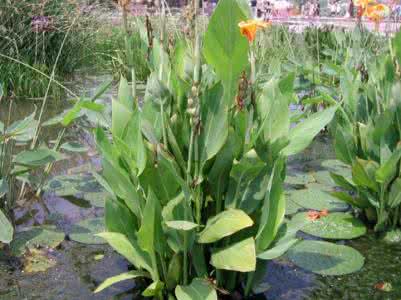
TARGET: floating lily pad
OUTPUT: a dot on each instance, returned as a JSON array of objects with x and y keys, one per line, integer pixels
[
  {"x": 315, "y": 198},
  {"x": 74, "y": 147},
  {"x": 333, "y": 226},
  {"x": 291, "y": 207},
  {"x": 36, "y": 237},
  {"x": 323, "y": 177},
  {"x": 336, "y": 166},
  {"x": 38, "y": 261},
  {"x": 299, "y": 179},
  {"x": 84, "y": 231},
  {"x": 96, "y": 199},
  {"x": 326, "y": 258}
]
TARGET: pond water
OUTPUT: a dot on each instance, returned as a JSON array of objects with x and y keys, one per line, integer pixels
[{"x": 79, "y": 268}]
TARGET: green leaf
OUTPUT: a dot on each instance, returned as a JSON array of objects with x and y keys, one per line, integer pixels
[
  {"x": 224, "y": 224},
  {"x": 340, "y": 226},
  {"x": 129, "y": 249},
  {"x": 74, "y": 147},
  {"x": 240, "y": 257},
  {"x": 6, "y": 229},
  {"x": 394, "y": 198},
  {"x": 174, "y": 271},
  {"x": 326, "y": 258},
  {"x": 150, "y": 235},
  {"x": 77, "y": 110},
  {"x": 38, "y": 157},
  {"x": 273, "y": 209},
  {"x": 121, "y": 115},
  {"x": 215, "y": 119},
  {"x": 85, "y": 231},
  {"x": 278, "y": 250},
  {"x": 153, "y": 289},
  {"x": 125, "y": 94},
  {"x": 121, "y": 277},
  {"x": 388, "y": 170},
  {"x": 224, "y": 48},
  {"x": 134, "y": 140},
  {"x": 363, "y": 173},
  {"x": 199, "y": 289},
  {"x": 3, "y": 187},
  {"x": 181, "y": 225},
  {"x": 315, "y": 198},
  {"x": 304, "y": 132},
  {"x": 119, "y": 218}
]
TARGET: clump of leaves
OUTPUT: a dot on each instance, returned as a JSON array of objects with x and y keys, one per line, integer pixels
[
  {"x": 196, "y": 178},
  {"x": 367, "y": 135}
]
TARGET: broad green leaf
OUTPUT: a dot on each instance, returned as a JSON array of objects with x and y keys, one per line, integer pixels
[
  {"x": 224, "y": 224},
  {"x": 125, "y": 94},
  {"x": 153, "y": 289},
  {"x": 215, "y": 123},
  {"x": 247, "y": 185},
  {"x": 38, "y": 157},
  {"x": 304, "y": 132},
  {"x": 339, "y": 226},
  {"x": 199, "y": 289},
  {"x": 3, "y": 187},
  {"x": 278, "y": 250},
  {"x": 273, "y": 110},
  {"x": 394, "y": 198},
  {"x": 77, "y": 110},
  {"x": 134, "y": 140},
  {"x": 122, "y": 277},
  {"x": 174, "y": 271},
  {"x": 119, "y": 218},
  {"x": 388, "y": 170},
  {"x": 121, "y": 115},
  {"x": 326, "y": 258},
  {"x": 351, "y": 200},
  {"x": 224, "y": 48},
  {"x": 240, "y": 257},
  {"x": 129, "y": 249},
  {"x": 299, "y": 179},
  {"x": 363, "y": 173},
  {"x": 181, "y": 225},
  {"x": 85, "y": 231},
  {"x": 6, "y": 229},
  {"x": 273, "y": 208},
  {"x": 150, "y": 235}
]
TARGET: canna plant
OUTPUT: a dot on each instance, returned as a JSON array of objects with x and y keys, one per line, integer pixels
[
  {"x": 367, "y": 138},
  {"x": 196, "y": 171}
]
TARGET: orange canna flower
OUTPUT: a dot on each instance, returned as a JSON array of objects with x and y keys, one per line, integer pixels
[
  {"x": 250, "y": 27},
  {"x": 377, "y": 12},
  {"x": 363, "y": 3}
]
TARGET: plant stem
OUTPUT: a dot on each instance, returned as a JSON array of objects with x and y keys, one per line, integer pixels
[{"x": 249, "y": 281}]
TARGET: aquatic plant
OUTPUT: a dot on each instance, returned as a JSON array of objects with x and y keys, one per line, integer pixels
[
  {"x": 196, "y": 171},
  {"x": 367, "y": 135}
]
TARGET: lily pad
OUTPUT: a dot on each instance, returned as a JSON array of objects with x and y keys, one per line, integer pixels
[
  {"x": 38, "y": 261},
  {"x": 96, "y": 199},
  {"x": 315, "y": 198},
  {"x": 36, "y": 237},
  {"x": 299, "y": 179},
  {"x": 326, "y": 258},
  {"x": 323, "y": 177},
  {"x": 336, "y": 166},
  {"x": 291, "y": 207},
  {"x": 74, "y": 147},
  {"x": 84, "y": 231},
  {"x": 333, "y": 226}
]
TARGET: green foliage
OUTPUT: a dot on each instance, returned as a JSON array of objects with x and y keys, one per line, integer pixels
[
  {"x": 196, "y": 183},
  {"x": 326, "y": 258},
  {"x": 367, "y": 135}
]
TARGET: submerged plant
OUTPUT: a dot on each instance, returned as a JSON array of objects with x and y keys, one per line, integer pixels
[{"x": 196, "y": 180}]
